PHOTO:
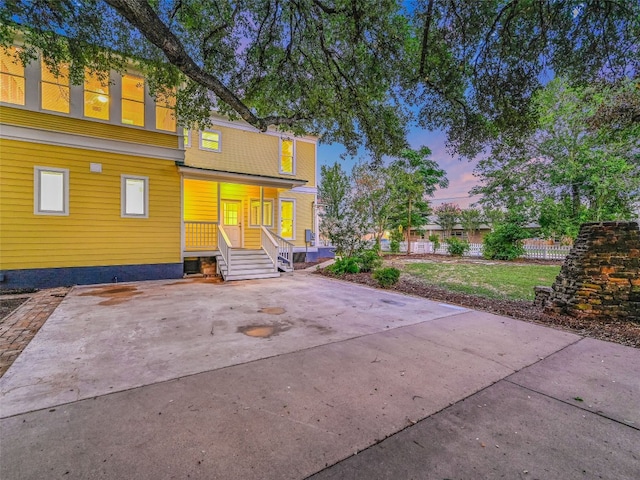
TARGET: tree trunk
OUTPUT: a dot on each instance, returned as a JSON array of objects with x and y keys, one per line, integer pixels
[{"x": 409, "y": 230}]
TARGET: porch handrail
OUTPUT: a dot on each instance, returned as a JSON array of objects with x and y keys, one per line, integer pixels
[
  {"x": 224, "y": 245},
  {"x": 270, "y": 246},
  {"x": 285, "y": 249}
]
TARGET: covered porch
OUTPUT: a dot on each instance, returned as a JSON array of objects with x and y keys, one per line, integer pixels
[{"x": 240, "y": 220}]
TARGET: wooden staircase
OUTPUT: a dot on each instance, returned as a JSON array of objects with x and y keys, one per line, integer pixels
[{"x": 246, "y": 264}]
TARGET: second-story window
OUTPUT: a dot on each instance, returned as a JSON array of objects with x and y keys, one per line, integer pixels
[
  {"x": 55, "y": 88},
  {"x": 210, "y": 140},
  {"x": 165, "y": 112},
  {"x": 96, "y": 96},
  {"x": 133, "y": 100},
  {"x": 186, "y": 135},
  {"x": 287, "y": 156},
  {"x": 11, "y": 77}
]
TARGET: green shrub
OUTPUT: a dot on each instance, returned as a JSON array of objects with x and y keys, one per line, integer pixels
[
  {"x": 369, "y": 260},
  {"x": 387, "y": 277},
  {"x": 457, "y": 247},
  {"x": 395, "y": 237},
  {"x": 435, "y": 239},
  {"x": 344, "y": 265},
  {"x": 505, "y": 242}
]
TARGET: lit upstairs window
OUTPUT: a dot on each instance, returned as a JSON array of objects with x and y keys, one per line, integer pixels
[
  {"x": 11, "y": 77},
  {"x": 96, "y": 95},
  {"x": 210, "y": 140},
  {"x": 166, "y": 112},
  {"x": 133, "y": 100},
  {"x": 55, "y": 88},
  {"x": 287, "y": 156}
]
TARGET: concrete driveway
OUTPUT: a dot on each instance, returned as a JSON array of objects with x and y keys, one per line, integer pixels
[{"x": 302, "y": 375}]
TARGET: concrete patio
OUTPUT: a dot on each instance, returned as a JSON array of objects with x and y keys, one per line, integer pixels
[{"x": 303, "y": 375}]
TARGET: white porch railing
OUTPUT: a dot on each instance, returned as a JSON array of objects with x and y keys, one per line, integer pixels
[
  {"x": 199, "y": 236},
  {"x": 285, "y": 251},
  {"x": 224, "y": 246},
  {"x": 270, "y": 246}
]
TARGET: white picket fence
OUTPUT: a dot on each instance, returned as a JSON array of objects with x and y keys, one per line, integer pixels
[{"x": 542, "y": 252}]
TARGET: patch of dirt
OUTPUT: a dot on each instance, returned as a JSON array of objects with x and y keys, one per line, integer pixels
[
  {"x": 618, "y": 331},
  {"x": 272, "y": 310},
  {"x": 8, "y": 305},
  {"x": 115, "y": 294},
  {"x": 303, "y": 265},
  {"x": 263, "y": 331}
]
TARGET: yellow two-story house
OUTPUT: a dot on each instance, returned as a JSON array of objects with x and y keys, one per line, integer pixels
[{"x": 99, "y": 184}]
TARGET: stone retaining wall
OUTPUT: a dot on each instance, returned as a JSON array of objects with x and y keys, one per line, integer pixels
[{"x": 600, "y": 277}]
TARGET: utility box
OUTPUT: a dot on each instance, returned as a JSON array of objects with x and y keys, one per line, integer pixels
[{"x": 309, "y": 237}]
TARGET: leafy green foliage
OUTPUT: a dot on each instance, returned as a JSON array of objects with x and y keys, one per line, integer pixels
[
  {"x": 447, "y": 215},
  {"x": 344, "y": 265},
  {"x": 368, "y": 260},
  {"x": 340, "y": 220},
  {"x": 505, "y": 242},
  {"x": 435, "y": 239},
  {"x": 413, "y": 177},
  {"x": 396, "y": 237},
  {"x": 387, "y": 277},
  {"x": 457, "y": 247},
  {"x": 356, "y": 72},
  {"x": 470, "y": 220},
  {"x": 582, "y": 163}
]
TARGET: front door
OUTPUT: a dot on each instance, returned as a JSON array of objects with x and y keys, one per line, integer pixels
[{"x": 232, "y": 221}]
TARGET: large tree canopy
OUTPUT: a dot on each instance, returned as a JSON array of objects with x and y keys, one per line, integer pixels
[{"x": 355, "y": 71}]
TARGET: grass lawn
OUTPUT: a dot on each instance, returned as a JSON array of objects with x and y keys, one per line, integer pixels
[{"x": 500, "y": 281}]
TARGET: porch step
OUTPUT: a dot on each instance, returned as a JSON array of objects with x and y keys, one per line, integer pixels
[{"x": 247, "y": 264}]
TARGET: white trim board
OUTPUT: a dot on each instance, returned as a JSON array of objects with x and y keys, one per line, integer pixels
[{"x": 63, "y": 139}]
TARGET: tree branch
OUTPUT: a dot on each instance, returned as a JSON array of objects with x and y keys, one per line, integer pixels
[{"x": 140, "y": 14}]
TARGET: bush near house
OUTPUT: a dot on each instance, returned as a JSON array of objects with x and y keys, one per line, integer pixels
[
  {"x": 505, "y": 242},
  {"x": 386, "y": 277},
  {"x": 457, "y": 247}
]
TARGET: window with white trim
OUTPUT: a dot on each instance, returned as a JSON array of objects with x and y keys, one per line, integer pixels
[
  {"x": 267, "y": 213},
  {"x": 96, "y": 95},
  {"x": 55, "y": 88},
  {"x": 186, "y": 134},
  {"x": 288, "y": 219},
  {"x": 210, "y": 140},
  {"x": 132, "y": 100},
  {"x": 134, "y": 194},
  {"x": 51, "y": 191},
  {"x": 287, "y": 156},
  {"x": 12, "y": 79}
]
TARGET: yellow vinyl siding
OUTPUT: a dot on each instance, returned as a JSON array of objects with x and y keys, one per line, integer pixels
[
  {"x": 59, "y": 123},
  {"x": 251, "y": 152},
  {"x": 200, "y": 200},
  {"x": 94, "y": 233},
  {"x": 306, "y": 162}
]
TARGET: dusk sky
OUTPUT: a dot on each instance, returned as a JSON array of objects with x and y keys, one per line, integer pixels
[{"x": 459, "y": 172}]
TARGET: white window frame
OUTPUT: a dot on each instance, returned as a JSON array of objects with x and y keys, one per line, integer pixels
[
  {"x": 292, "y": 200},
  {"x": 186, "y": 136},
  {"x": 261, "y": 220},
  {"x": 219, "y": 141},
  {"x": 123, "y": 196},
  {"x": 37, "y": 191},
  {"x": 293, "y": 160}
]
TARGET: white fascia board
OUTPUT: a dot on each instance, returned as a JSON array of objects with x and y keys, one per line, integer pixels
[{"x": 63, "y": 139}]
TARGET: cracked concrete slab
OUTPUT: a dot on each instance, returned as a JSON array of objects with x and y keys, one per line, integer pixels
[{"x": 505, "y": 431}]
